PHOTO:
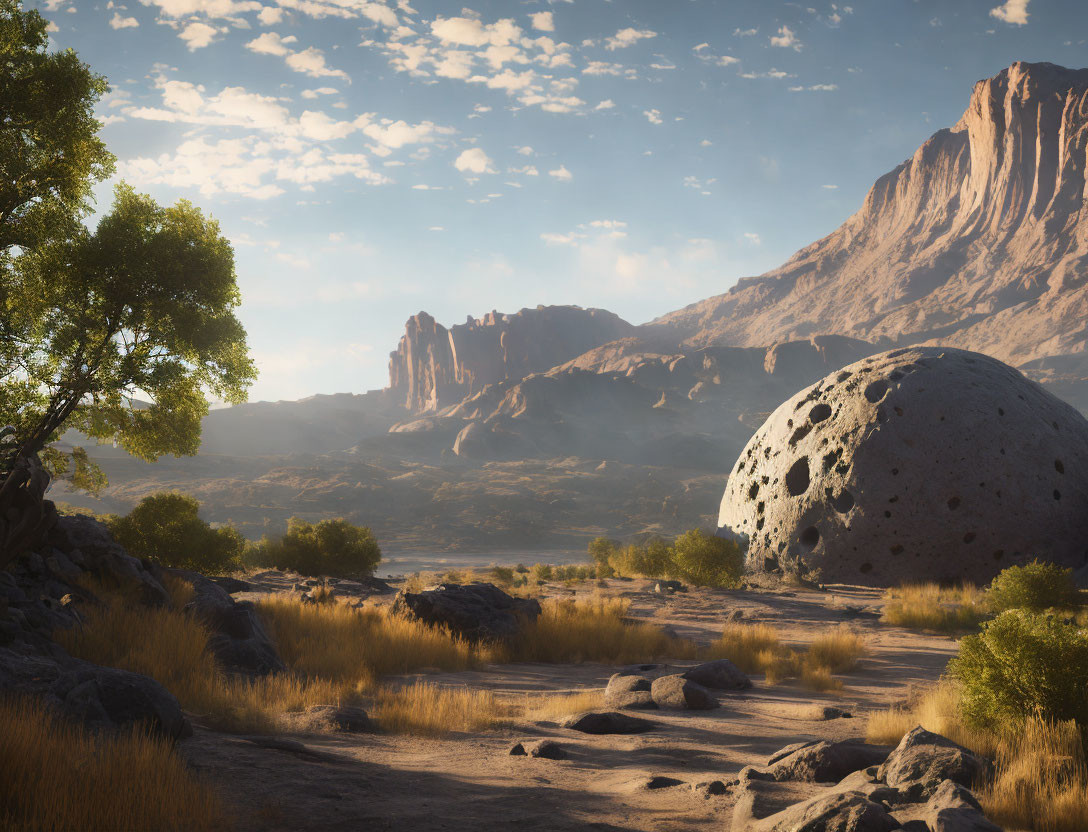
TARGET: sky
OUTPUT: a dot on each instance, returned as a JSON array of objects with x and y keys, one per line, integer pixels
[{"x": 370, "y": 159}]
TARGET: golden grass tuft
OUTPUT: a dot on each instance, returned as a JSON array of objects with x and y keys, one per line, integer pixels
[
  {"x": 934, "y": 608},
  {"x": 556, "y": 705},
  {"x": 748, "y": 646},
  {"x": 1040, "y": 780},
  {"x": 181, "y": 591},
  {"x": 593, "y": 630},
  {"x": 431, "y": 710},
  {"x": 838, "y": 650},
  {"x": 57, "y": 775}
]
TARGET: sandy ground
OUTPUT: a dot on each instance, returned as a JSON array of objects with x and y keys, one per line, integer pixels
[{"x": 470, "y": 781}]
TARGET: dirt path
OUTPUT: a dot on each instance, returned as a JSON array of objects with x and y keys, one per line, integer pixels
[{"x": 470, "y": 781}]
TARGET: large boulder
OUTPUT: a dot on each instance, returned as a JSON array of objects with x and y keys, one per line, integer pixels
[
  {"x": 720, "y": 674},
  {"x": 825, "y": 762},
  {"x": 478, "y": 611},
  {"x": 89, "y": 543},
  {"x": 923, "y": 761},
  {"x": 835, "y": 812},
  {"x": 626, "y": 690},
  {"x": 922, "y": 461},
  {"x": 677, "y": 693},
  {"x": 607, "y": 722}
]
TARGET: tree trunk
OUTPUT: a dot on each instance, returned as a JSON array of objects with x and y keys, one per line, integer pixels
[{"x": 25, "y": 515}]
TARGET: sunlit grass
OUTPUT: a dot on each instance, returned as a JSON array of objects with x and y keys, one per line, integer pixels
[
  {"x": 935, "y": 608},
  {"x": 745, "y": 645},
  {"x": 56, "y": 775}
]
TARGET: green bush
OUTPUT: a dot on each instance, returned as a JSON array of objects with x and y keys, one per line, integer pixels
[
  {"x": 706, "y": 560},
  {"x": 603, "y": 550},
  {"x": 166, "y": 528},
  {"x": 501, "y": 575},
  {"x": 1023, "y": 664},
  {"x": 543, "y": 571},
  {"x": 331, "y": 547},
  {"x": 1036, "y": 586},
  {"x": 648, "y": 560}
]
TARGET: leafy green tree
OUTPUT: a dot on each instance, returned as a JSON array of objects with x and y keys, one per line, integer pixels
[
  {"x": 603, "y": 550},
  {"x": 1034, "y": 586},
  {"x": 543, "y": 571},
  {"x": 166, "y": 528},
  {"x": 331, "y": 547},
  {"x": 706, "y": 559},
  {"x": 1023, "y": 664}
]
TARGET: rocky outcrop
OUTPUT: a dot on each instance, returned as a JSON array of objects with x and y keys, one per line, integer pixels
[
  {"x": 479, "y": 612},
  {"x": 434, "y": 366},
  {"x": 978, "y": 241},
  {"x": 922, "y": 461},
  {"x": 608, "y": 722},
  {"x": 923, "y": 761},
  {"x": 720, "y": 674}
]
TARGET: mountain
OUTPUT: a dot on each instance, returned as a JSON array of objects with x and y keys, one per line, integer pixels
[
  {"x": 977, "y": 241},
  {"x": 548, "y": 426}
]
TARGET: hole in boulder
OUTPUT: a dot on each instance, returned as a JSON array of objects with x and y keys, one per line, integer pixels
[
  {"x": 898, "y": 411},
  {"x": 753, "y": 491},
  {"x": 800, "y": 434},
  {"x": 999, "y": 554},
  {"x": 844, "y": 502},
  {"x": 797, "y": 478},
  {"x": 1058, "y": 466},
  {"x": 810, "y": 537},
  {"x": 1001, "y": 411},
  {"x": 875, "y": 390},
  {"x": 843, "y": 376},
  {"x": 1057, "y": 494},
  {"x": 897, "y": 549},
  {"x": 893, "y": 499},
  {"x": 819, "y": 413},
  {"x": 865, "y": 568},
  {"x": 759, "y": 524},
  {"x": 760, "y": 506},
  {"x": 895, "y": 472},
  {"x": 969, "y": 537},
  {"x": 887, "y": 514},
  {"x": 953, "y": 503}
]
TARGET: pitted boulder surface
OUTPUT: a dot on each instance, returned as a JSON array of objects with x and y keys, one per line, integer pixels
[{"x": 925, "y": 461}]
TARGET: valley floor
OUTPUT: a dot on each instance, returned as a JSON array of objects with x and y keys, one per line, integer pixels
[{"x": 470, "y": 781}]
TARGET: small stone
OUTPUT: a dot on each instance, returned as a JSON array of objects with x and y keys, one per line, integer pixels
[{"x": 710, "y": 788}]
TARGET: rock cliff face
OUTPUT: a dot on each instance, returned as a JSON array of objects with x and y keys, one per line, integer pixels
[
  {"x": 977, "y": 241},
  {"x": 434, "y": 366}
]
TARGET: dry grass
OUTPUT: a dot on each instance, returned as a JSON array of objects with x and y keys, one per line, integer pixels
[
  {"x": 594, "y": 630},
  {"x": 556, "y": 705},
  {"x": 432, "y": 710},
  {"x": 57, "y": 775},
  {"x": 755, "y": 648},
  {"x": 934, "y": 608},
  {"x": 1040, "y": 781},
  {"x": 181, "y": 592}
]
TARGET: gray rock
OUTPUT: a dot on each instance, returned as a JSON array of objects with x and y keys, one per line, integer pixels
[
  {"x": 544, "y": 749},
  {"x": 836, "y": 812},
  {"x": 231, "y": 585},
  {"x": 923, "y": 760},
  {"x": 478, "y": 611},
  {"x": 827, "y": 762},
  {"x": 905, "y": 464},
  {"x": 88, "y": 539},
  {"x": 626, "y": 690},
  {"x": 118, "y": 698},
  {"x": 661, "y": 782},
  {"x": 608, "y": 722},
  {"x": 677, "y": 693},
  {"x": 721, "y": 674},
  {"x": 346, "y": 719},
  {"x": 710, "y": 788},
  {"x": 669, "y": 587},
  {"x": 952, "y": 808}
]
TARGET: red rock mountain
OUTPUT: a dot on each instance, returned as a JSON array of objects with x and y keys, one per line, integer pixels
[{"x": 978, "y": 241}]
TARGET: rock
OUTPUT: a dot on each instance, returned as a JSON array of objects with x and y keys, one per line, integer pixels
[
  {"x": 238, "y": 639},
  {"x": 669, "y": 586},
  {"x": 826, "y": 762},
  {"x": 477, "y": 611},
  {"x": 709, "y": 788},
  {"x": 231, "y": 585},
  {"x": 346, "y": 719},
  {"x": 608, "y": 722},
  {"x": 117, "y": 698},
  {"x": 626, "y": 690},
  {"x": 872, "y": 476},
  {"x": 721, "y": 674},
  {"x": 660, "y": 782},
  {"x": 952, "y": 808},
  {"x": 836, "y": 812},
  {"x": 865, "y": 781},
  {"x": 677, "y": 693},
  {"x": 81, "y": 537},
  {"x": 544, "y": 749},
  {"x": 923, "y": 761}
]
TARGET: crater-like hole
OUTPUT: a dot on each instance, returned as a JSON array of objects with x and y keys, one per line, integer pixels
[
  {"x": 969, "y": 537},
  {"x": 810, "y": 537},
  {"x": 753, "y": 491},
  {"x": 819, "y": 413},
  {"x": 844, "y": 502},
  {"x": 1058, "y": 466},
  {"x": 1057, "y": 494},
  {"x": 759, "y": 524},
  {"x": 843, "y": 376},
  {"x": 760, "y": 506},
  {"x": 999, "y": 554},
  {"x": 875, "y": 390},
  {"x": 797, "y": 478},
  {"x": 865, "y": 568},
  {"x": 896, "y": 549},
  {"x": 800, "y": 434},
  {"x": 953, "y": 503}
]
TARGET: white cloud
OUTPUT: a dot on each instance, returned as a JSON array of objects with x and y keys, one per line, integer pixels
[
  {"x": 560, "y": 239},
  {"x": 606, "y": 68},
  {"x": 474, "y": 160},
  {"x": 705, "y": 143},
  {"x": 197, "y": 35},
  {"x": 816, "y": 88},
  {"x": 526, "y": 170},
  {"x": 315, "y": 93},
  {"x": 525, "y": 151},
  {"x": 312, "y": 62},
  {"x": 561, "y": 174},
  {"x": 543, "y": 21},
  {"x": 830, "y": 187},
  {"x": 608, "y": 224},
  {"x": 469, "y": 31},
  {"x": 628, "y": 37},
  {"x": 214, "y": 9},
  {"x": 397, "y": 134},
  {"x": 379, "y": 13},
  {"x": 271, "y": 43},
  {"x": 293, "y": 260},
  {"x": 270, "y": 15},
  {"x": 786, "y": 38},
  {"x": 653, "y": 116},
  {"x": 745, "y": 33},
  {"x": 607, "y": 104},
  {"x": 752, "y": 238},
  {"x": 118, "y": 22},
  {"x": 1012, "y": 11},
  {"x": 771, "y": 73}
]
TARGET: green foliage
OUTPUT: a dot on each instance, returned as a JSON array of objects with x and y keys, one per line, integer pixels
[
  {"x": 603, "y": 550},
  {"x": 331, "y": 547},
  {"x": 166, "y": 528},
  {"x": 501, "y": 575},
  {"x": 542, "y": 572},
  {"x": 1036, "y": 586},
  {"x": 706, "y": 560},
  {"x": 1023, "y": 664}
]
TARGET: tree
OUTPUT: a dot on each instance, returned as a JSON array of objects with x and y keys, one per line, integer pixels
[
  {"x": 166, "y": 527},
  {"x": 706, "y": 559},
  {"x": 603, "y": 551},
  {"x": 331, "y": 547}
]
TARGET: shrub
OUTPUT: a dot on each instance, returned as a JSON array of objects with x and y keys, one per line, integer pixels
[
  {"x": 1036, "y": 586},
  {"x": 331, "y": 547},
  {"x": 542, "y": 571},
  {"x": 166, "y": 528},
  {"x": 501, "y": 575},
  {"x": 603, "y": 550},
  {"x": 1023, "y": 664},
  {"x": 706, "y": 559},
  {"x": 649, "y": 560}
]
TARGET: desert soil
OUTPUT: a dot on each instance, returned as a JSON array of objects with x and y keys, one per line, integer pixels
[{"x": 470, "y": 781}]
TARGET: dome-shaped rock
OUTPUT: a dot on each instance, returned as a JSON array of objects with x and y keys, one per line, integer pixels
[{"x": 917, "y": 464}]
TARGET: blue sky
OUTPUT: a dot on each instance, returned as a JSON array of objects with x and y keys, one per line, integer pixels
[{"x": 372, "y": 158}]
